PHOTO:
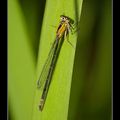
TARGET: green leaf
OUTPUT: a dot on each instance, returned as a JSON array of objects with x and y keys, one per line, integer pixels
[
  {"x": 90, "y": 97},
  {"x": 21, "y": 65},
  {"x": 57, "y": 102}
]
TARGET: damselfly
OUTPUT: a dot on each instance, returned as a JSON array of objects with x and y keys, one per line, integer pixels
[{"x": 63, "y": 30}]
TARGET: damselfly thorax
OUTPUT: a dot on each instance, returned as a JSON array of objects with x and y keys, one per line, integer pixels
[{"x": 64, "y": 27}]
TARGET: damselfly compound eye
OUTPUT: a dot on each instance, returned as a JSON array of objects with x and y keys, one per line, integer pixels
[{"x": 63, "y": 18}]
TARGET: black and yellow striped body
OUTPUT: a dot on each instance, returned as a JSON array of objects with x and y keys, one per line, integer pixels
[{"x": 61, "y": 29}]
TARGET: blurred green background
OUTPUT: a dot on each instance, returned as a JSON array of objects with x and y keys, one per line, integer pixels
[{"x": 91, "y": 87}]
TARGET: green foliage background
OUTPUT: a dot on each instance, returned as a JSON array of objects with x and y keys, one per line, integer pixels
[{"x": 82, "y": 81}]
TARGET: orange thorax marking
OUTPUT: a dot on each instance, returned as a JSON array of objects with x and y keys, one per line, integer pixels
[{"x": 61, "y": 30}]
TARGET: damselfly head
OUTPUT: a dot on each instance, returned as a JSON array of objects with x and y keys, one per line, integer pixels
[{"x": 66, "y": 19}]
